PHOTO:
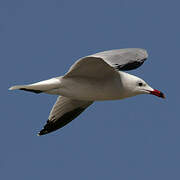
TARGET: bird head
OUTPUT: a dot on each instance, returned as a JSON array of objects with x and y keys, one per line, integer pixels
[{"x": 134, "y": 86}]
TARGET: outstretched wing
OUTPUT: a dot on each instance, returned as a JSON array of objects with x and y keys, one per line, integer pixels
[
  {"x": 107, "y": 63},
  {"x": 124, "y": 59},
  {"x": 90, "y": 67},
  {"x": 63, "y": 112}
]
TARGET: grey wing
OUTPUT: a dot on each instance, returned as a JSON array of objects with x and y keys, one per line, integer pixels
[
  {"x": 63, "y": 112},
  {"x": 123, "y": 59},
  {"x": 106, "y": 64},
  {"x": 91, "y": 67}
]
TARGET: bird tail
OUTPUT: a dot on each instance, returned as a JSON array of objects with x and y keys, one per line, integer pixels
[{"x": 39, "y": 87}]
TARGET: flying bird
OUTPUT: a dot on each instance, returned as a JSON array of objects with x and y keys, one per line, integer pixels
[{"x": 96, "y": 77}]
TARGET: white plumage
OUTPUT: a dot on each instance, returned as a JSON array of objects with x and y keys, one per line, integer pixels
[{"x": 93, "y": 78}]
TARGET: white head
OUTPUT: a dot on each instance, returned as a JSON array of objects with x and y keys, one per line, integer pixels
[{"x": 134, "y": 85}]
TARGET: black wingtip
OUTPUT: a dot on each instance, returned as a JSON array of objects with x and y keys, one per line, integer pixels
[
  {"x": 42, "y": 132},
  {"x": 130, "y": 65},
  {"x": 46, "y": 129}
]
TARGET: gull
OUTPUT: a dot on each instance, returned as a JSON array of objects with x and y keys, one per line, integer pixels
[{"x": 96, "y": 77}]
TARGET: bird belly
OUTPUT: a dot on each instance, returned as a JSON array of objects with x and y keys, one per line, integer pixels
[{"x": 90, "y": 89}]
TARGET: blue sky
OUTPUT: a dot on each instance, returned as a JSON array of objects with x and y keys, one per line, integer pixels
[{"x": 137, "y": 138}]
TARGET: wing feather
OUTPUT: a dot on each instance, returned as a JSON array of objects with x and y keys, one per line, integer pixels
[
  {"x": 124, "y": 59},
  {"x": 63, "y": 112},
  {"x": 107, "y": 63}
]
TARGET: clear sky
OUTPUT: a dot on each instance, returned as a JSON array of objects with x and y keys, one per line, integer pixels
[{"x": 137, "y": 138}]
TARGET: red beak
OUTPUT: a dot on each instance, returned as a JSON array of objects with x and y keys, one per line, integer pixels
[{"x": 157, "y": 93}]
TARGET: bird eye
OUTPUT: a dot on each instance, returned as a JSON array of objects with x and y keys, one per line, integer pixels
[{"x": 140, "y": 84}]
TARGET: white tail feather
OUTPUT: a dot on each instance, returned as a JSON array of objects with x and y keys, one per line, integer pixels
[
  {"x": 17, "y": 87},
  {"x": 39, "y": 86}
]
